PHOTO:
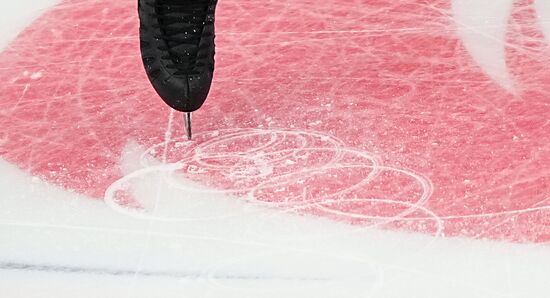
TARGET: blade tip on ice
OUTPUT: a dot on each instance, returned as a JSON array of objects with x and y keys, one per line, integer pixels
[{"x": 188, "y": 128}]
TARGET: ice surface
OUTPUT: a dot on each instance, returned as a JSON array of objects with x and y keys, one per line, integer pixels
[
  {"x": 349, "y": 148},
  {"x": 16, "y": 16}
]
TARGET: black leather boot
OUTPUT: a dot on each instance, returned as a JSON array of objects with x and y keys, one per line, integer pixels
[{"x": 177, "y": 48}]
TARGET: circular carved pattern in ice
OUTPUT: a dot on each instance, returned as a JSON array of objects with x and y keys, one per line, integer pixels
[{"x": 298, "y": 171}]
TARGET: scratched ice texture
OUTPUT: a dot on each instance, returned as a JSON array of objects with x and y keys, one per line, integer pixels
[{"x": 366, "y": 112}]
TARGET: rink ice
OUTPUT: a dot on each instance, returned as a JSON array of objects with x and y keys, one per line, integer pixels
[{"x": 348, "y": 148}]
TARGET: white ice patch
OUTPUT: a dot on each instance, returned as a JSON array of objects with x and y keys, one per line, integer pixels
[
  {"x": 15, "y": 15},
  {"x": 543, "y": 11},
  {"x": 482, "y": 26},
  {"x": 36, "y": 75},
  {"x": 232, "y": 248}
]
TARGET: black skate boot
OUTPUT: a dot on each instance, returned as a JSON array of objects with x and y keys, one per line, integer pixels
[{"x": 177, "y": 48}]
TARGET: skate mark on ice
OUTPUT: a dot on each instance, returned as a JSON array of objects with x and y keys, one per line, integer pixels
[{"x": 294, "y": 171}]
